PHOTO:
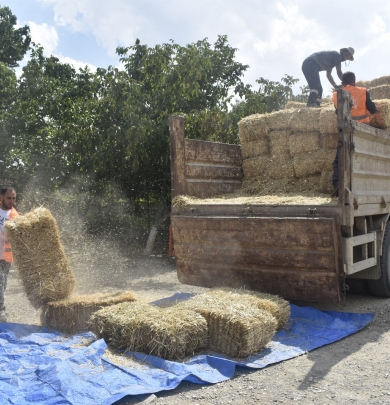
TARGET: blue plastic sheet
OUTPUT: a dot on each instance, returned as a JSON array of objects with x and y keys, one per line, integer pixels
[{"x": 38, "y": 366}]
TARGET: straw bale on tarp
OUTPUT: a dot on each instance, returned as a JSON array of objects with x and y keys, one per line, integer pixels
[
  {"x": 303, "y": 142},
  {"x": 72, "y": 315},
  {"x": 279, "y": 119},
  {"x": 252, "y": 128},
  {"x": 236, "y": 326},
  {"x": 308, "y": 164},
  {"x": 278, "y": 141},
  {"x": 281, "y": 168},
  {"x": 380, "y": 92},
  {"x": 328, "y": 121},
  {"x": 171, "y": 333},
  {"x": 254, "y": 167},
  {"x": 381, "y": 119},
  {"x": 39, "y": 256},
  {"x": 305, "y": 120},
  {"x": 255, "y": 148},
  {"x": 326, "y": 185},
  {"x": 277, "y": 306}
]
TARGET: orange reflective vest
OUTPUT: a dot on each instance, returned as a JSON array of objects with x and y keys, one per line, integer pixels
[
  {"x": 359, "y": 110},
  {"x": 7, "y": 247}
]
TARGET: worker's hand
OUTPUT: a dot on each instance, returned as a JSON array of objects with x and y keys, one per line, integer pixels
[{"x": 338, "y": 87}]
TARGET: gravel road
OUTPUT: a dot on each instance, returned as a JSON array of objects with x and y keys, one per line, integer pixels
[{"x": 354, "y": 370}]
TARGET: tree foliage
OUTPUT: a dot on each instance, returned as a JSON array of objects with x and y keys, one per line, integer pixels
[{"x": 14, "y": 42}]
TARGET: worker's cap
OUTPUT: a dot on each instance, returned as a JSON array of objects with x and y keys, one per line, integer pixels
[{"x": 350, "y": 50}]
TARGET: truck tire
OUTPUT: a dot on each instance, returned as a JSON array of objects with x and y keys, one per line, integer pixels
[
  {"x": 381, "y": 287},
  {"x": 357, "y": 286}
]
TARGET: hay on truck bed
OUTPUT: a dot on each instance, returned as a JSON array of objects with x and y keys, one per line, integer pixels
[
  {"x": 39, "y": 256},
  {"x": 305, "y": 120},
  {"x": 171, "y": 333},
  {"x": 260, "y": 147},
  {"x": 236, "y": 326},
  {"x": 374, "y": 82},
  {"x": 328, "y": 121},
  {"x": 303, "y": 142},
  {"x": 381, "y": 119},
  {"x": 380, "y": 92},
  {"x": 253, "y": 129},
  {"x": 278, "y": 141},
  {"x": 72, "y": 315},
  {"x": 308, "y": 164}
]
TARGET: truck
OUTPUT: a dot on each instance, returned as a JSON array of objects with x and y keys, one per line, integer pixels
[{"x": 301, "y": 252}]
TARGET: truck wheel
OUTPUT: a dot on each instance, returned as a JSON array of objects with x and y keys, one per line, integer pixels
[
  {"x": 381, "y": 287},
  {"x": 357, "y": 286}
]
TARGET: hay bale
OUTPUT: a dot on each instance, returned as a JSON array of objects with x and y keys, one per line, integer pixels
[
  {"x": 380, "y": 92},
  {"x": 328, "y": 121},
  {"x": 72, "y": 315},
  {"x": 305, "y": 120},
  {"x": 254, "y": 167},
  {"x": 260, "y": 186},
  {"x": 280, "y": 168},
  {"x": 294, "y": 104},
  {"x": 374, "y": 82},
  {"x": 252, "y": 128},
  {"x": 326, "y": 185},
  {"x": 326, "y": 102},
  {"x": 329, "y": 141},
  {"x": 381, "y": 119},
  {"x": 40, "y": 258},
  {"x": 303, "y": 142},
  {"x": 279, "y": 120},
  {"x": 171, "y": 333},
  {"x": 236, "y": 326},
  {"x": 308, "y": 164},
  {"x": 256, "y": 148},
  {"x": 278, "y": 141},
  {"x": 278, "y": 307}
]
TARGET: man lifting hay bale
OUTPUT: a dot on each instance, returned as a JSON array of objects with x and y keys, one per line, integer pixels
[
  {"x": 40, "y": 258},
  {"x": 7, "y": 212}
]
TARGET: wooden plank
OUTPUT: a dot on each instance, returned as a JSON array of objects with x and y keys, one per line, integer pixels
[
  {"x": 255, "y": 231},
  {"x": 176, "y": 131},
  {"x": 207, "y": 189},
  {"x": 320, "y": 260},
  {"x": 201, "y": 171},
  {"x": 290, "y": 284},
  {"x": 212, "y": 152},
  {"x": 262, "y": 210}
]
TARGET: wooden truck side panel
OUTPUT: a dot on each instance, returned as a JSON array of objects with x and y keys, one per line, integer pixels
[{"x": 292, "y": 257}]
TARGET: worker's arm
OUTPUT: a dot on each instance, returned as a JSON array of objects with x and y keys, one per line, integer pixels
[
  {"x": 330, "y": 78},
  {"x": 370, "y": 104}
]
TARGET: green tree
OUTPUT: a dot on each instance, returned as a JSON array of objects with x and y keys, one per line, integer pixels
[{"x": 14, "y": 42}]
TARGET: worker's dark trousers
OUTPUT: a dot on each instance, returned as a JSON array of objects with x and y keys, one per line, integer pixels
[
  {"x": 312, "y": 75},
  {"x": 4, "y": 271}
]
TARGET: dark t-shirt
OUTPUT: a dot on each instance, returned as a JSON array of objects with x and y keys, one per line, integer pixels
[{"x": 327, "y": 60}]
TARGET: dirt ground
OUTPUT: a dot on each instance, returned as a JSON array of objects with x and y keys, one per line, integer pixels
[{"x": 354, "y": 370}]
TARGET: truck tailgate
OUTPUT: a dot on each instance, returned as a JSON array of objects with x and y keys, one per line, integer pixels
[{"x": 294, "y": 257}]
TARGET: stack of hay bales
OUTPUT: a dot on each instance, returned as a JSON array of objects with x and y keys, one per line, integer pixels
[
  {"x": 72, "y": 315},
  {"x": 379, "y": 89},
  {"x": 299, "y": 146},
  {"x": 171, "y": 333},
  {"x": 239, "y": 323},
  {"x": 40, "y": 258}
]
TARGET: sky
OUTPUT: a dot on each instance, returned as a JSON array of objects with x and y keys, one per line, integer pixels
[{"x": 273, "y": 37}]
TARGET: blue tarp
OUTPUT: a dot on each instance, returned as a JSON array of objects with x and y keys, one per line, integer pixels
[{"x": 39, "y": 366}]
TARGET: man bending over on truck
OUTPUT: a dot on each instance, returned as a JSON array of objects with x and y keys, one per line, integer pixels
[
  {"x": 323, "y": 61},
  {"x": 362, "y": 107},
  {"x": 7, "y": 211}
]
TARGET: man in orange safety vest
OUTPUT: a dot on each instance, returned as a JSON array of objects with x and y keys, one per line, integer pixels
[
  {"x": 7, "y": 211},
  {"x": 362, "y": 108}
]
